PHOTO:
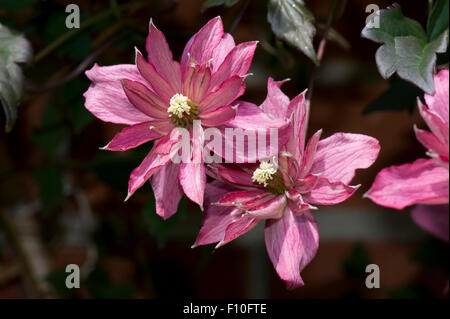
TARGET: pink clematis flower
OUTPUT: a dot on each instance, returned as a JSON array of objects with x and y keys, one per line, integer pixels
[
  {"x": 157, "y": 96},
  {"x": 424, "y": 181},
  {"x": 282, "y": 193}
]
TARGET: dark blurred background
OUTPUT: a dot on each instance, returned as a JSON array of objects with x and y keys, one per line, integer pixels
[{"x": 61, "y": 198}]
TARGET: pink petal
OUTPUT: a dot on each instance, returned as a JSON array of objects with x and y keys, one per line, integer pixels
[
  {"x": 196, "y": 82},
  {"x": 132, "y": 136},
  {"x": 421, "y": 182},
  {"x": 217, "y": 218},
  {"x": 193, "y": 180},
  {"x": 307, "y": 183},
  {"x": 160, "y": 56},
  {"x": 221, "y": 51},
  {"x": 219, "y": 116},
  {"x": 237, "y": 228},
  {"x": 338, "y": 156},
  {"x": 297, "y": 109},
  {"x": 105, "y": 97},
  {"x": 310, "y": 151},
  {"x": 296, "y": 203},
  {"x": 327, "y": 193},
  {"x": 235, "y": 176},
  {"x": 163, "y": 90},
  {"x": 431, "y": 142},
  {"x": 237, "y": 62},
  {"x": 205, "y": 41},
  {"x": 251, "y": 120},
  {"x": 144, "y": 99},
  {"x": 276, "y": 102},
  {"x": 159, "y": 156},
  {"x": 240, "y": 197},
  {"x": 167, "y": 190},
  {"x": 229, "y": 91},
  {"x": 273, "y": 208},
  {"x": 437, "y": 125},
  {"x": 438, "y": 103},
  {"x": 433, "y": 219},
  {"x": 192, "y": 175},
  {"x": 291, "y": 242},
  {"x": 258, "y": 200}
]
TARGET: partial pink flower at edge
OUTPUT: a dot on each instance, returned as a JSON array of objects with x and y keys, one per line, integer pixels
[{"x": 425, "y": 181}]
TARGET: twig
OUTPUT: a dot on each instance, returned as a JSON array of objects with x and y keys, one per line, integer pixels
[
  {"x": 320, "y": 52},
  {"x": 23, "y": 234},
  {"x": 88, "y": 22},
  {"x": 75, "y": 72},
  {"x": 239, "y": 16}
]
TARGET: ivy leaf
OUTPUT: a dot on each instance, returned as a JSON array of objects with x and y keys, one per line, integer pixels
[
  {"x": 292, "y": 22},
  {"x": 215, "y": 3},
  {"x": 14, "y": 48},
  {"x": 438, "y": 20},
  {"x": 406, "y": 49}
]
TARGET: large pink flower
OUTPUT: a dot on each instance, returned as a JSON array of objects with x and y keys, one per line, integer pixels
[
  {"x": 282, "y": 193},
  {"x": 156, "y": 96},
  {"x": 424, "y": 181}
]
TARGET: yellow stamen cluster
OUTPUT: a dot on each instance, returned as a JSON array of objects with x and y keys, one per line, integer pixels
[
  {"x": 264, "y": 173},
  {"x": 179, "y": 104},
  {"x": 182, "y": 110}
]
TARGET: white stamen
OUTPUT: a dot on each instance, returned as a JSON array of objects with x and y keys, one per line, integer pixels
[
  {"x": 264, "y": 173},
  {"x": 179, "y": 104}
]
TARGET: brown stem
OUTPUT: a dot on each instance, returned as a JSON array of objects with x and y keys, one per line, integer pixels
[
  {"x": 75, "y": 72},
  {"x": 23, "y": 235},
  {"x": 239, "y": 16},
  {"x": 320, "y": 53}
]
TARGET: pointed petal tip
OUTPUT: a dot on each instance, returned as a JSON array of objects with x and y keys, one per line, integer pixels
[
  {"x": 128, "y": 196},
  {"x": 219, "y": 244},
  {"x": 294, "y": 285},
  {"x": 151, "y": 24},
  {"x": 366, "y": 194}
]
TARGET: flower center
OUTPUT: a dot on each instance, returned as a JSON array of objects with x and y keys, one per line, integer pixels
[
  {"x": 264, "y": 173},
  {"x": 270, "y": 177},
  {"x": 182, "y": 110}
]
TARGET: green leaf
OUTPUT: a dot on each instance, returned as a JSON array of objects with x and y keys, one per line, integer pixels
[
  {"x": 292, "y": 22},
  {"x": 14, "y": 49},
  {"x": 215, "y": 3},
  {"x": 230, "y": 3},
  {"x": 406, "y": 49},
  {"x": 50, "y": 187},
  {"x": 438, "y": 19},
  {"x": 400, "y": 95}
]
